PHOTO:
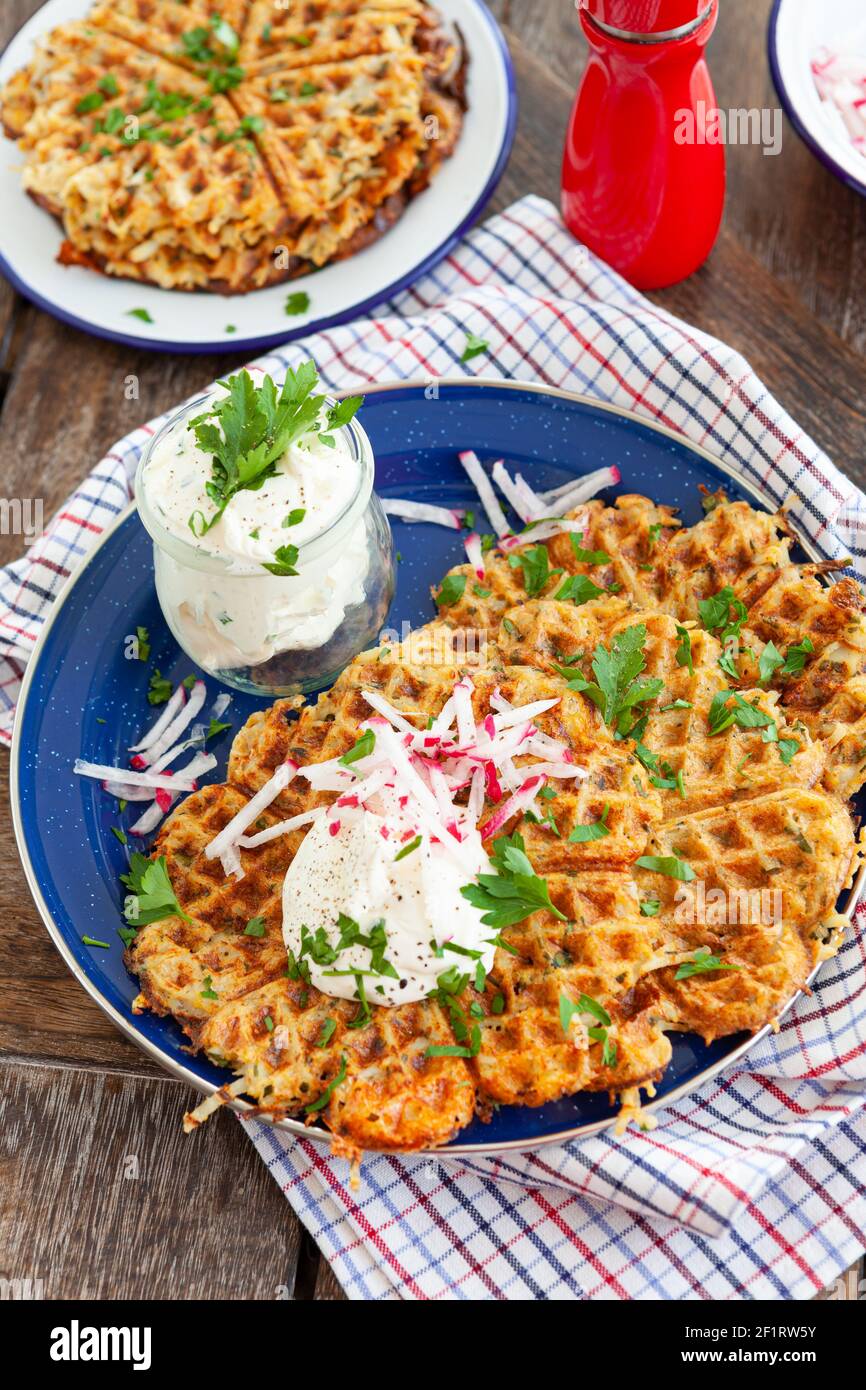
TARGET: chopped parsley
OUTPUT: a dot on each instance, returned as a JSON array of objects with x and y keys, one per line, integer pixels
[
  {"x": 770, "y": 660},
  {"x": 724, "y": 612},
  {"x": 684, "y": 649},
  {"x": 452, "y": 590},
  {"x": 329, "y": 1089},
  {"x": 255, "y": 927},
  {"x": 795, "y": 657},
  {"x": 91, "y": 941},
  {"x": 142, "y": 641},
  {"x": 208, "y": 992},
  {"x": 535, "y": 564},
  {"x": 151, "y": 896},
  {"x": 667, "y": 864},
  {"x": 617, "y": 689},
  {"x": 158, "y": 689},
  {"x": 215, "y": 727},
  {"x": 701, "y": 963},
  {"x": 577, "y": 589},
  {"x": 142, "y": 314},
  {"x": 514, "y": 892},
  {"x": 362, "y": 748},
  {"x": 650, "y": 907},
  {"x": 474, "y": 347},
  {"x": 408, "y": 849},
  {"x": 587, "y": 557},
  {"x": 595, "y": 830},
  {"x": 297, "y": 303},
  {"x": 329, "y": 1028}
]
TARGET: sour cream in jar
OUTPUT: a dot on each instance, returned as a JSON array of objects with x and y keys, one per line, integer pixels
[{"x": 276, "y": 590}]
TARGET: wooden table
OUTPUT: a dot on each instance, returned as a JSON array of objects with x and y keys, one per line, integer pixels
[{"x": 786, "y": 285}]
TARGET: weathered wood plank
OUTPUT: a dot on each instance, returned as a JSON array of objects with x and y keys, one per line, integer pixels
[{"x": 102, "y": 1196}]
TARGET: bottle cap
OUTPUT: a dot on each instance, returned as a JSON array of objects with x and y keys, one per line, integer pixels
[{"x": 638, "y": 17}]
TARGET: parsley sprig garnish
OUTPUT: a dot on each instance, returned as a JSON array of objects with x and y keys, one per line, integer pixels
[
  {"x": 616, "y": 689},
  {"x": 151, "y": 896},
  {"x": 514, "y": 892},
  {"x": 248, "y": 430},
  {"x": 701, "y": 963}
]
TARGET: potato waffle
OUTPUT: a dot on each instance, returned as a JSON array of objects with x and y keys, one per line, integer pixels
[
  {"x": 700, "y": 902},
  {"x": 228, "y": 147}
]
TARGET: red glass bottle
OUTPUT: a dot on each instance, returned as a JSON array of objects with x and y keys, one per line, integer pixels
[{"x": 643, "y": 171}]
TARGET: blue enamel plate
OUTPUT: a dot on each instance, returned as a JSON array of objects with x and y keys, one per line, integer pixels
[{"x": 82, "y": 698}]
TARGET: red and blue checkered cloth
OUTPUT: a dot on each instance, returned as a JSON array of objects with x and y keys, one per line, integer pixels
[{"x": 755, "y": 1185}]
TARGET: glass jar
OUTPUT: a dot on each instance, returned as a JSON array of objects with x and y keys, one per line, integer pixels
[{"x": 270, "y": 634}]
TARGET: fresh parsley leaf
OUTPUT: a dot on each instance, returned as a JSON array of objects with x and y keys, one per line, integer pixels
[
  {"x": 295, "y": 516},
  {"x": 474, "y": 347},
  {"x": 722, "y": 714},
  {"x": 584, "y": 1005},
  {"x": 329, "y": 1028},
  {"x": 215, "y": 727},
  {"x": 514, "y": 892},
  {"x": 151, "y": 896},
  {"x": 578, "y": 589},
  {"x": 91, "y": 941},
  {"x": 118, "y": 834},
  {"x": 795, "y": 657},
  {"x": 595, "y": 830},
  {"x": 701, "y": 963},
  {"x": 650, "y": 907},
  {"x": 329, "y": 1089},
  {"x": 284, "y": 561},
  {"x": 158, "y": 689},
  {"x": 408, "y": 849},
  {"x": 361, "y": 749},
  {"x": 723, "y": 611},
  {"x": 587, "y": 557},
  {"x": 142, "y": 643},
  {"x": 684, "y": 649},
  {"x": 535, "y": 564},
  {"x": 142, "y": 314},
  {"x": 616, "y": 688},
  {"x": 770, "y": 660},
  {"x": 728, "y": 664},
  {"x": 255, "y": 927},
  {"x": 452, "y": 590},
  {"x": 667, "y": 864},
  {"x": 297, "y": 303}
]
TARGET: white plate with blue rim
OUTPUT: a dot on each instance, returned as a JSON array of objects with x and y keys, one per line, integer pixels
[
  {"x": 178, "y": 321},
  {"x": 798, "y": 29}
]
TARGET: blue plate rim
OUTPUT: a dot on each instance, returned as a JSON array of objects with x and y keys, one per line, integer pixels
[
  {"x": 319, "y": 325},
  {"x": 793, "y": 115},
  {"x": 297, "y": 1127}
]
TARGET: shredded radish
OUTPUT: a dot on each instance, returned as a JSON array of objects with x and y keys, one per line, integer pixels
[
  {"x": 263, "y": 837},
  {"x": 422, "y": 511},
  {"x": 221, "y": 704},
  {"x": 525, "y": 508},
  {"x": 521, "y": 801},
  {"x": 381, "y": 705},
  {"x": 174, "y": 704},
  {"x": 544, "y": 531},
  {"x": 121, "y": 776},
  {"x": 506, "y": 719},
  {"x": 841, "y": 81},
  {"x": 231, "y": 862},
  {"x": 232, "y": 832},
  {"x": 463, "y": 710},
  {"x": 559, "y": 770},
  {"x": 476, "y": 796},
  {"x": 150, "y": 818},
  {"x": 484, "y": 488},
  {"x": 588, "y": 486},
  {"x": 178, "y": 725},
  {"x": 474, "y": 553}
]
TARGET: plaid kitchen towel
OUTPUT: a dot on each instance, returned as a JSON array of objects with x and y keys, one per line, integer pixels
[{"x": 753, "y": 1186}]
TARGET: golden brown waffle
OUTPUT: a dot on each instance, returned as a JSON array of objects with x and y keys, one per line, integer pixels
[
  {"x": 307, "y": 131},
  {"x": 753, "y": 815}
]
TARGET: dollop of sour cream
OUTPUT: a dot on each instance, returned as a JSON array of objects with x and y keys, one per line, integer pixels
[
  {"x": 354, "y": 870},
  {"x": 241, "y": 615}
]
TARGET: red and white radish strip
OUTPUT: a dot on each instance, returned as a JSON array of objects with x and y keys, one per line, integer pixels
[
  {"x": 511, "y": 778},
  {"x": 273, "y": 832},
  {"x": 422, "y": 511},
  {"x": 393, "y": 716},
  {"x": 444, "y": 719},
  {"x": 521, "y": 801},
  {"x": 151, "y": 818},
  {"x": 364, "y": 789},
  {"x": 174, "y": 704},
  {"x": 474, "y": 553},
  {"x": 545, "y": 747},
  {"x": 544, "y": 531},
  {"x": 559, "y": 770},
  {"x": 122, "y": 776},
  {"x": 232, "y": 832},
  {"x": 178, "y": 725},
  {"x": 484, "y": 488},
  {"x": 531, "y": 499},
  {"x": 425, "y": 807},
  {"x": 221, "y": 704},
  {"x": 231, "y": 862},
  {"x": 124, "y": 792},
  {"x": 194, "y": 741},
  {"x": 463, "y": 710},
  {"x": 506, "y": 719},
  {"x": 475, "y": 804},
  {"x": 588, "y": 485},
  {"x": 513, "y": 493}
]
